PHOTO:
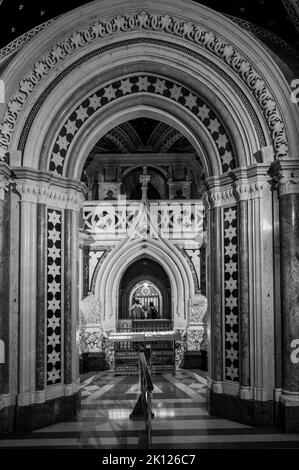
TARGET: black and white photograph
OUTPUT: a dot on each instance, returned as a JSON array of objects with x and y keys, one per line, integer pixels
[{"x": 149, "y": 229}]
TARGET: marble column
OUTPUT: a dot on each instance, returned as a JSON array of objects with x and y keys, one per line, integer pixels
[
  {"x": 71, "y": 293},
  {"x": 216, "y": 298},
  {"x": 41, "y": 300},
  {"x": 4, "y": 279},
  {"x": 28, "y": 280},
  {"x": 286, "y": 178},
  {"x": 68, "y": 255},
  {"x": 86, "y": 280},
  {"x": 244, "y": 314},
  {"x": 289, "y": 243}
]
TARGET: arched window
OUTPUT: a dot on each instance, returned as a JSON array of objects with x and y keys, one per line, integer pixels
[{"x": 147, "y": 292}]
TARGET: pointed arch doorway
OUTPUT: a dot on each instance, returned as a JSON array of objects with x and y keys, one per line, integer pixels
[{"x": 145, "y": 280}]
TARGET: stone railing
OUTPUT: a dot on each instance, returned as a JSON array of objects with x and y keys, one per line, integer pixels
[{"x": 174, "y": 219}]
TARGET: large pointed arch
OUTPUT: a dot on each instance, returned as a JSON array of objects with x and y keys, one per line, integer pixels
[{"x": 170, "y": 258}]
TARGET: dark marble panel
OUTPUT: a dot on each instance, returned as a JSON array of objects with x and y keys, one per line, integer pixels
[
  {"x": 243, "y": 278},
  {"x": 41, "y": 300},
  {"x": 288, "y": 418},
  {"x": 29, "y": 418},
  {"x": 250, "y": 412},
  {"x": 68, "y": 254},
  {"x": 90, "y": 362},
  {"x": 86, "y": 279},
  {"x": 289, "y": 243},
  {"x": 4, "y": 291},
  {"x": 7, "y": 420},
  {"x": 196, "y": 360},
  {"x": 216, "y": 288}
]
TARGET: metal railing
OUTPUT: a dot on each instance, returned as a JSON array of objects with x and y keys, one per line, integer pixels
[{"x": 143, "y": 407}]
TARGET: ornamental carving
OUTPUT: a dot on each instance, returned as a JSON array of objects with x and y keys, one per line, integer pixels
[
  {"x": 149, "y": 84},
  {"x": 287, "y": 182},
  {"x": 44, "y": 193},
  {"x": 145, "y": 21},
  {"x": 252, "y": 189},
  {"x": 197, "y": 309},
  {"x": 285, "y": 176},
  {"x": 4, "y": 186}
]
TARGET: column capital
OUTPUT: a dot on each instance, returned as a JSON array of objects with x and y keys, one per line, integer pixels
[
  {"x": 285, "y": 176},
  {"x": 5, "y": 179},
  {"x": 44, "y": 188},
  {"x": 251, "y": 182},
  {"x": 219, "y": 191}
]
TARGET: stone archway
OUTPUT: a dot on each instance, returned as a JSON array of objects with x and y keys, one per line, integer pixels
[{"x": 215, "y": 83}]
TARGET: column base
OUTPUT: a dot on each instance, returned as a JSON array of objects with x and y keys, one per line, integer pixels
[
  {"x": 7, "y": 420},
  {"x": 20, "y": 419},
  {"x": 288, "y": 417},
  {"x": 250, "y": 412},
  {"x": 196, "y": 360}
]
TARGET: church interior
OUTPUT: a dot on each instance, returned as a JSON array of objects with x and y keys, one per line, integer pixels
[{"x": 149, "y": 236}]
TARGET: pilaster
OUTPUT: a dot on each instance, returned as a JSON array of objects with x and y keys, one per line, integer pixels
[{"x": 285, "y": 177}]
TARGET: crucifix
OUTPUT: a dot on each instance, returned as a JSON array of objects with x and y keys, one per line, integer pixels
[{"x": 144, "y": 180}]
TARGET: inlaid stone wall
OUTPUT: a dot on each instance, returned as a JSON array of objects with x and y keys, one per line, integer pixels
[
  {"x": 231, "y": 313},
  {"x": 54, "y": 297}
]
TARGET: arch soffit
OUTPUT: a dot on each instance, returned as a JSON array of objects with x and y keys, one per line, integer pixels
[{"x": 209, "y": 41}]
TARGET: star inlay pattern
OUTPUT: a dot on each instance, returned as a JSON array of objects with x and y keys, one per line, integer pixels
[
  {"x": 147, "y": 85},
  {"x": 231, "y": 312},
  {"x": 54, "y": 294}
]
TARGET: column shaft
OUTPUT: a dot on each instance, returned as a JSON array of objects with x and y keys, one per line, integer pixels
[
  {"x": 68, "y": 256},
  {"x": 41, "y": 305},
  {"x": 216, "y": 300},
  {"x": 4, "y": 294},
  {"x": 244, "y": 315},
  {"x": 27, "y": 303},
  {"x": 289, "y": 242}
]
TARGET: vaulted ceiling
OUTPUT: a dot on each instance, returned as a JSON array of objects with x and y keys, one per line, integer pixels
[{"x": 143, "y": 135}]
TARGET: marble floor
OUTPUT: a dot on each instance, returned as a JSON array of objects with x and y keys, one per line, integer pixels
[{"x": 181, "y": 419}]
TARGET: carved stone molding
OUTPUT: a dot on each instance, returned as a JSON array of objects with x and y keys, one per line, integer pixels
[
  {"x": 20, "y": 41},
  {"x": 130, "y": 85},
  {"x": 4, "y": 180},
  {"x": 221, "y": 196},
  {"x": 285, "y": 177},
  {"x": 147, "y": 21},
  {"x": 253, "y": 188},
  {"x": 41, "y": 188}
]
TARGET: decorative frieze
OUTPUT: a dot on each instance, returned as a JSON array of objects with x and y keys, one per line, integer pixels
[{"x": 160, "y": 23}]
